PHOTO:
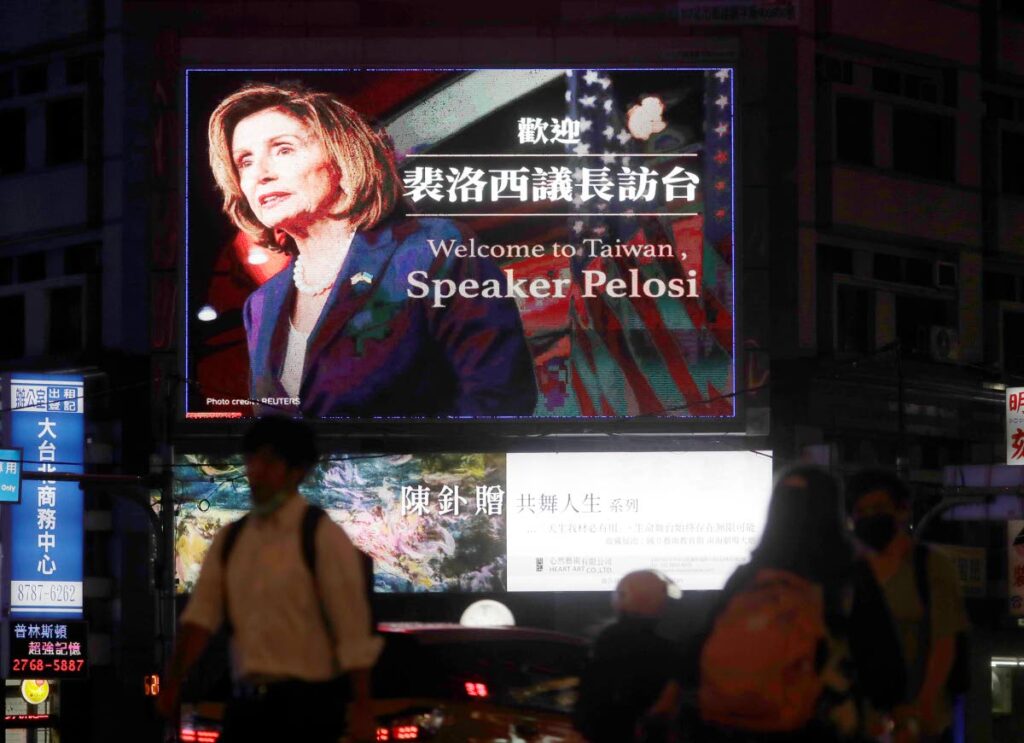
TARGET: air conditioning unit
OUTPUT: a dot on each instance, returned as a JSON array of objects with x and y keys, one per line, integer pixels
[{"x": 943, "y": 343}]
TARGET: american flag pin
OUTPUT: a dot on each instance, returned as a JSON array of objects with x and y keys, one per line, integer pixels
[{"x": 361, "y": 277}]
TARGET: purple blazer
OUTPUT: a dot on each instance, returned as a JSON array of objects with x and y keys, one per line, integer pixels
[{"x": 376, "y": 352}]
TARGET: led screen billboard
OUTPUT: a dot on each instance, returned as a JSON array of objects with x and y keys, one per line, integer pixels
[
  {"x": 491, "y": 523},
  {"x": 485, "y": 243}
]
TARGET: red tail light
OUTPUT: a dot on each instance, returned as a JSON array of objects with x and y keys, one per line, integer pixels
[
  {"x": 191, "y": 735},
  {"x": 476, "y": 689},
  {"x": 383, "y": 735},
  {"x": 406, "y": 732}
]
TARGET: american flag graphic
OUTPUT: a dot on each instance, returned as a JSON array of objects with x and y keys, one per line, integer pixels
[{"x": 642, "y": 355}]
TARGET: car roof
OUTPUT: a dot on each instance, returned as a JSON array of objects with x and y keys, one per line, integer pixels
[{"x": 441, "y": 632}]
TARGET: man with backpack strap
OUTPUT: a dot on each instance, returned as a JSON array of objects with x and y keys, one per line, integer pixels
[
  {"x": 290, "y": 587},
  {"x": 923, "y": 593}
]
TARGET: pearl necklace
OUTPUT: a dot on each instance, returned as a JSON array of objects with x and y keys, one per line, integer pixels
[{"x": 313, "y": 288}]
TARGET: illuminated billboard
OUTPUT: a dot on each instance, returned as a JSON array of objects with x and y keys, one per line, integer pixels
[
  {"x": 490, "y": 523},
  {"x": 484, "y": 243}
]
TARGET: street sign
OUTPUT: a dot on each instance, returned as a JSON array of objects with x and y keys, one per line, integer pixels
[
  {"x": 1015, "y": 425},
  {"x": 46, "y": 648},
  {"x": 45, "y": 417}
]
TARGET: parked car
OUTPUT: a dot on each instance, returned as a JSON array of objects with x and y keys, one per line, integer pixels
[{"x": 446, "y": 683}]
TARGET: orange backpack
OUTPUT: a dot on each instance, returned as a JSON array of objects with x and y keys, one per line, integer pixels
[{"x": 759, "y": 666}]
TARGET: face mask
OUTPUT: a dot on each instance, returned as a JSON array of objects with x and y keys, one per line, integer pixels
[
  {"x": 269, "y": 506},
  {"x": 876, "y": 531}
]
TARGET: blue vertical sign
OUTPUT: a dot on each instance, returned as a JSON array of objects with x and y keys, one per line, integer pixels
[{"x": 45, "y": 419}]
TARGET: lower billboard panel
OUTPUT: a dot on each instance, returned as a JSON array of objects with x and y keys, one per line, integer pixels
[
  {"x": 490, "y": 523},
  {"x": 590, "y": 518}
]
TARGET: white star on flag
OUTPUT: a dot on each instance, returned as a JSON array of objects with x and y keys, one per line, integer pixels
[
  {"x": 607, "y": 158},
  {"x": 722, "y": 129},
  {"x": 588, "y": 101},
  {"x": 585, "y": 125},
  {"x": 608, "y": 132},
  {"x": 721, "y": 101},
  {"x": 607, "y": 105},
  {"x": 605, "y": 82},
  {"x": 623, "y": 136},
  {"x": 722, "y": 75},
  {"x": 577, "y": 226},
  {"x": 590, "y": 78},
  {"x": 581, "y": 149}
]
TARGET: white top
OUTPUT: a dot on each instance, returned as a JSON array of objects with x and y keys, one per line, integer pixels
[
  {"x": 294, "y": 361},
  {"x": 278, "y": 627}
]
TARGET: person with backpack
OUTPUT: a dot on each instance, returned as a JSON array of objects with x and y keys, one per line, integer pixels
[
  {"x": 629, "y": 665},
  {"x": 923, "y": 593},
  {"x": 290, "y": 586},
  {"x": 800, "y": 646}
]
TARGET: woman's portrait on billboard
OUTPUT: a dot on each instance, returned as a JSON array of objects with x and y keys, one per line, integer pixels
[{"x": 335, "y": 333}]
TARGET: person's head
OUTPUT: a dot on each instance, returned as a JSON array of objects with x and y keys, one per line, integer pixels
[
  {"x": 642, "y": 593},
  {"x": 285, "y": 157},
  {"x": 279, "y": 452},
  {"x": 804, "y": 531},
  {"x": 878, "y": 503}
]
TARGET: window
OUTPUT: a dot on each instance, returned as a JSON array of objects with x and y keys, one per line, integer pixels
[
  {"x": 12, "y": 310},
  {"x": 1000, "y": 106},
  {"x": 12, "y": 134},
  {"x": 31, "y": 267},
  {"x": 855, "y": 130},
  {"x": 922, "y": 144},
  {"x": 831, "y": 69},
  {"x": 915, "y": 317},
  {"x": 999, "y": 286},
  {"x": 80, "y": 68},
  {"x": 65, "y": 131},
  {"x": 65, "y": 331},
  {"x": 855, "y": 319},
  {"x": 81, "y": 259},
  {"x": 1011, "y": 162},
  {"x": 32, "y": 79},
  {"x": 916, "y": 271},
  {"x": 887, "y": 267},
  {"x": 921, "y": 88},
  {"x": 1013, "y": 349},
  {"x": 885, "y": 80}
]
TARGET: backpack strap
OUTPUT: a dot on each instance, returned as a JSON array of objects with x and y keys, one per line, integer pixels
[
  {"x": 310, "y": 520},
  {"x": 234, "y": 529}
]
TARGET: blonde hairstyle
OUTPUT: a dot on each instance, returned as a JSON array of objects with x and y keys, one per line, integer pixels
[{"x": 364, "y": 156}]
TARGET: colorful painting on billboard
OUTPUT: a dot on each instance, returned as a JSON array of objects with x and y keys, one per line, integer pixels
[{"x": 431, "y": 522}]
